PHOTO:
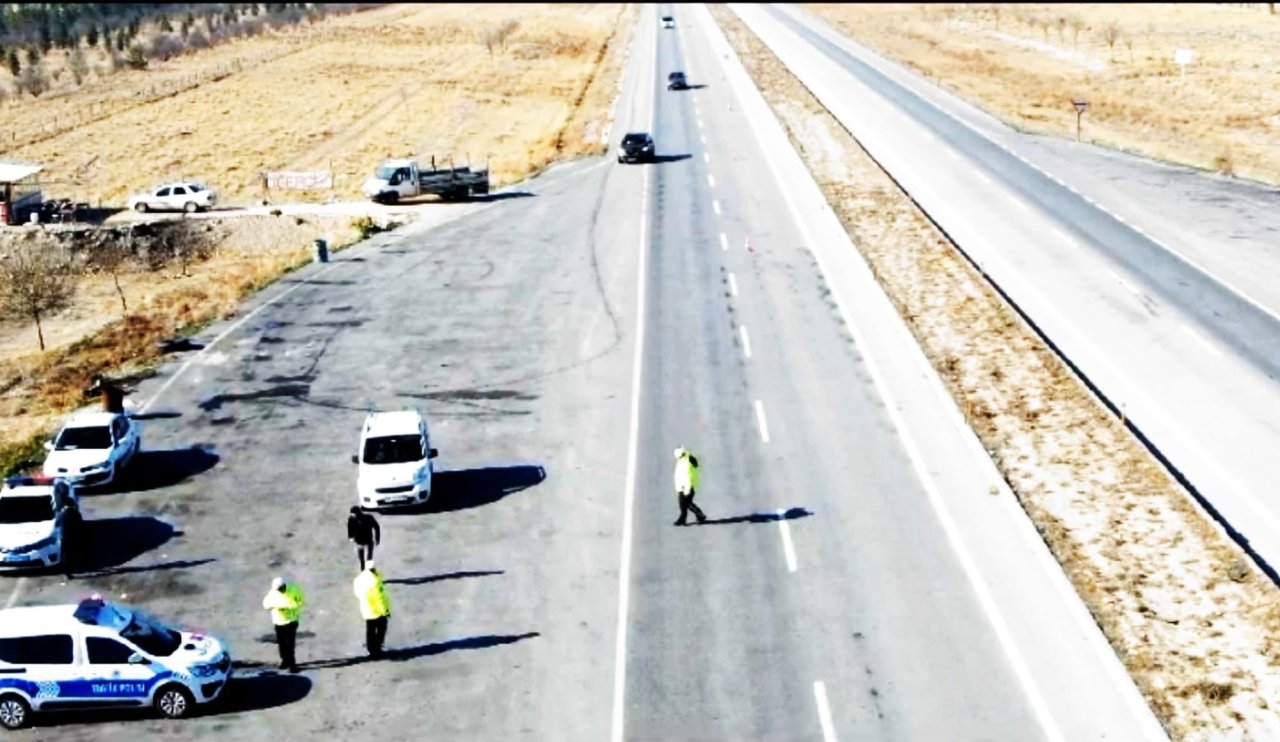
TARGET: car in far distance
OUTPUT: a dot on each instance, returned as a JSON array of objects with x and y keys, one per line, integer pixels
[
  {"x": 677, "y": 81},
  {"x": 636, "y": 146},
  {"x": 92, "y": 448},
  {"x": 188, "y": 196},
  {"x": 39, "y": 522},
  {"x": 668, "y": 22},
  {"x": 395, "y": 460}
]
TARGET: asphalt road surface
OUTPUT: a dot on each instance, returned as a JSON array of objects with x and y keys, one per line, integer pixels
[
  {"x": 563, "y": 339},
  {"x": 1174, "y": 336}
]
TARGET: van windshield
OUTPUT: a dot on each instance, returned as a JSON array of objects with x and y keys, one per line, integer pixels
[
  {"x": 151, "y": 636},
  {"x": 28, "y": 509},
  {"x": 393, "y": 449},
  {"x": 384, "y": 172}
]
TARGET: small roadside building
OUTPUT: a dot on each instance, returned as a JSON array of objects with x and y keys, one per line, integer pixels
[{"x": 19, "y": 191}]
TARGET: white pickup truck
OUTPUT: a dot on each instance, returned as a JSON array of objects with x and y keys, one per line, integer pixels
[{"x": 395, "y": 180}]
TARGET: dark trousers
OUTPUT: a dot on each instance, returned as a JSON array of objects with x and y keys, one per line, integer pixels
[
  {"x": 686, "y": 504},
  {"x": 375, "y": 632},
  {"x": 287, "y": 638},
  {"x": 365, "y": 553}
]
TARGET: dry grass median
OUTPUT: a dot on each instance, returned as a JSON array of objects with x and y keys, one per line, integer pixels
[
  {"x": 1025, "y": 62},
  {"x": 1196, "y": 624}
]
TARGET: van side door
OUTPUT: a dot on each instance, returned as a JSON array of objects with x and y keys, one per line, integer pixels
[{"x": 42, "y": 666}]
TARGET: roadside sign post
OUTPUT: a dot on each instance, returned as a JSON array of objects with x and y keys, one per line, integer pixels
[
  {"x": 1183, "y": 57},
  {"x": 1081, "y": 106}
]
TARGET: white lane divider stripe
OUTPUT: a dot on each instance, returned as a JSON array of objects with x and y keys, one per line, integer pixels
[
  {"x": 733, "y": 285},
  {"x": 706, "y": 157},
  {"x": 715, "y": 204},
  {"x": 702, "y": 138},
  {"x": 699, "y": 122},
  {"x": 1202, "y": 340},
  {"x": 824, "y": 712},
  {"x": 760, "y": 420},
  {"x": 746, "y": 340},
  {"x": 711, "y": 180},
  {"x": 724, "y": 241},
  {"x": 788, "y": 549}
]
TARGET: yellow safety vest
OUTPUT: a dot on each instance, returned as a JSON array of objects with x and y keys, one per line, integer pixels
[
  {"x": 686, "y": 476},
  {"x": 285, "y": 607},
  {"x": 372, "y": 594}
]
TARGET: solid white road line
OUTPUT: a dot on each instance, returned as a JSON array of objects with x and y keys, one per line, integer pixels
[
  {"x": 633, "y": 436},
  {"x": 746, "y": 341},
  {"x": 715, "y": 205},
  {"x": 824, "y": 712},
  {"x": 733, "y": 285},
  {"x": 711, "y": 180},
  {"x": 724, "y": 241},
  {"x": 788, "y": 550},
  {"x": 1202, "y": 340},
  {"x": 764, "y": 424}
]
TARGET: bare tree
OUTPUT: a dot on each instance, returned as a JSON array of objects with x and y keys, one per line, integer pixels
[
  {"x": 114, "y": 257},
  {"x": 1128, "y": 44},
  {"x": 77, "y": 65},
  {"x": 33, "y": 79},
  {"x": 1062, "y": 27},
  {"x": 1111, "y": 34},
  {"x": 1077, "y": 25},
  {"x": 496, "y": 36},
  {"x": 185, "y": 241},
  {"x": 36, "y": 280}
]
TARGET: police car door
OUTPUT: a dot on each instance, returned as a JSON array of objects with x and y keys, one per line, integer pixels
[
  {"x": 116, "y": 672},
  {"x": 41, "y": 666}
]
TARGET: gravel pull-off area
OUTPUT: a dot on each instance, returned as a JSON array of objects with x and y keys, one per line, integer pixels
[{"x": 1193, "y": 620}]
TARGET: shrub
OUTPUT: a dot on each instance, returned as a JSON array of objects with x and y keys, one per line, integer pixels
[{"x": 365, "y": 226}]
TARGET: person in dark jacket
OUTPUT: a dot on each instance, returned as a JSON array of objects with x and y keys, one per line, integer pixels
[
  {"x": 363, "y": 531},
  {"x": 111, "y": 393}
]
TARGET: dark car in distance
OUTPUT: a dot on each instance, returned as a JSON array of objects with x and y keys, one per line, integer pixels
[
  {"x": 636, "y": 146},
  {"x": 677, "y": 81}
]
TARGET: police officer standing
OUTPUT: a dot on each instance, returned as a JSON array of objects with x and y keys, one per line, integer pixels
[
  {"x": 686, "y": 480},
  {"x": 371, "y": 592},
  {"x": 363, "y": 531},
  {"x": 284, "y": 600}
]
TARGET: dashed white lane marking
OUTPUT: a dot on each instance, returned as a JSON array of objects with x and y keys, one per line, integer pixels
[
  {"x": 1062, "y": 235},
  {"x": 746, "y": 340},
  {"x": 824, "y": 712},
  {"x": 982, "y": 176},
  {"x": 788, "y": 549},
  {"x": 724, "y": 241},
  {"x": 711, "y": 180},
  {"x": 699, "y": 122},
  {"x": 1202, "y": 340},
  {"x": 706, "y": 157},
  {"x": 702, "y": 138},
  {"x": 954, "y": 155},
  {"x": 1022, "y": 204},
  {"x": 760, "y": 420},
  {"x": 17, "y": 590},
  {"x": 715, "y": 204},
  {"x": 733, "y": 285},
  {"x": 1120, "y": 279}
]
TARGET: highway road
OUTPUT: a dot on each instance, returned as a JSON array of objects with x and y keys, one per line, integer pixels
[
  {"x": 857, "y": 578},
  {"x": 1174, "y": 336}
]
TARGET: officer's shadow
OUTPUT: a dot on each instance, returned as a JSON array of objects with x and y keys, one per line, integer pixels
[
  {"x": 771, "y": 516},
  {"x": 403, "y": 654}
]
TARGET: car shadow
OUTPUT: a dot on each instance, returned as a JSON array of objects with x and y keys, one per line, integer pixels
[
  {"x": 491, "y": 197},
  {"x": 107, "y": 543},
  {"x": 405, "y": 654},
  {"x": 762, "y": 517},
  {"x": 423, "y": 580},
  {"x": 152, "y": 470},
  {"x": 251, "y": 692},
  {"x": 663, "y": 159},
  {"x": 472, "y": 488}
]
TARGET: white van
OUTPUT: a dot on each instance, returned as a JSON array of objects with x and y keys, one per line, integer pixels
[
  {"x": 100, "y": 654},
  {"x": 395, "y": 460}
]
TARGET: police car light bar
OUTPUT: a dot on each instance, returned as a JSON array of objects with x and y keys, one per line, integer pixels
[{"x": 29, "y": 481}]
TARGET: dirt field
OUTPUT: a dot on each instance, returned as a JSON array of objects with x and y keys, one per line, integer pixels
[
  {"x": 1025, "y": 63},
  {"x": 1194, "y": 621},
  {"x": 338, "y": 95}
]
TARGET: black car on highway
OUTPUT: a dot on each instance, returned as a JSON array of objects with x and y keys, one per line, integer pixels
[
  {"x": 677, "y": 81},
  {"x": 636, "y": 146}
]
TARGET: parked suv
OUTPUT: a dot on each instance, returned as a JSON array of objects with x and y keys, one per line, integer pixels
[
  {"x": 677, "y": 81},
  {"x": 636, "y": 146},
  {"x": 395, "y": 460},
  {"x": 187, "y": 196},
  {"x": 39, "y": 521}
]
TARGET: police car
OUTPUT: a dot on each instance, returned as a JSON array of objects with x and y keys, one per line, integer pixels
[
  {"x": 101, "y": 654},
  {"x": 93, "y": 447},
  {"x": 395, "y": 460},
  {"x": 39, "y": 522}
]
